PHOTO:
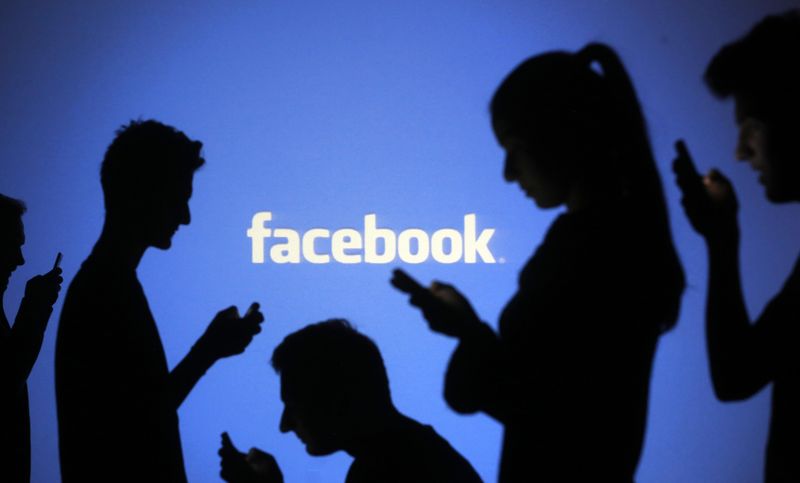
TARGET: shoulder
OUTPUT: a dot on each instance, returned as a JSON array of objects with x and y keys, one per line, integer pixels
[
  {"x": 779, "y": 320},
  {"x": 420, "y": 454},
  {"x": 94, "y": 298}
]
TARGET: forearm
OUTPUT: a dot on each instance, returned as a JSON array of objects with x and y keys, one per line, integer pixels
[
  {"x": 21, "y": 348},
  {"x": 475, "y": 379},
  {"x": 186, "y": 374},
  {"x": 727, "y": 324}
]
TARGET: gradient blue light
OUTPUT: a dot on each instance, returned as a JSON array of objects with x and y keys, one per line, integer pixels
[{"x": 322, "y": 112}]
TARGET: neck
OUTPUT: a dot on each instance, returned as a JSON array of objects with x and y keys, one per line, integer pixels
[
  {"x": 119, "y": 243},
  {"x": 371, "y": 430},
  {"x": 590, "y": 193}
]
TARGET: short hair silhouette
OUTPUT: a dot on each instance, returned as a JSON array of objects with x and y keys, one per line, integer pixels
[
  {"x": 581, "y": 111},
  {"x": 11, "y": 210},
  {"x": 332, "y": 356},
  {"x": 146, "y": 156},
  {"x": 763, "y": 67}
]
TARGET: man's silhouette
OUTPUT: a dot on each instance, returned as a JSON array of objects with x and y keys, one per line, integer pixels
[
  {"x": 762, "y": 74},
  {"x": 336, "y": 397},
  {"x": 20, "y": 344},
  {"x": 117, "y": 400}
]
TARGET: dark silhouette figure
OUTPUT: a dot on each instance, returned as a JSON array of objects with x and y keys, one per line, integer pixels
[
  {"x": 762, "y": 74},
  {"x": 568, "y": 374},
  {"x": 117, "y": 400},
  {"x": 19, "y": 345},
  {"x": 336, "y": 397}
]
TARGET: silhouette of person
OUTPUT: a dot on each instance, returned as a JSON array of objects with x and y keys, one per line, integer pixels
[
  {"x": 19, "y": 345},
  {"x": 336, "y": 397},
  {"x": 568, "y": 374},
  {"x": 762, "y": 73},
  {"x": 117, "y": 400}
]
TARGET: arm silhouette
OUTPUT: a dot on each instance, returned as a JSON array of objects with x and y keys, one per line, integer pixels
[
  {"x": 255, "y": 466},
  {"x": 228, "y": 334},
  {"x": 476, "y": 379},
  {"x": 21, "y": 348},
  {"x": 738, "y": 351}
]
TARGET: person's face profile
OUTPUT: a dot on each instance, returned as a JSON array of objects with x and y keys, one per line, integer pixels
[
  {"x": 521, "y": 167},
  {"x": 756, "y": 146},
  {"x": 312, "y": 418},
  {"x": 11, "y": 251},
  {"x": 166, "y": 210}
]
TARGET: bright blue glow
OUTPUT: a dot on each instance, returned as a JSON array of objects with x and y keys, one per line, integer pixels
[{"x": 322, "y": 114}]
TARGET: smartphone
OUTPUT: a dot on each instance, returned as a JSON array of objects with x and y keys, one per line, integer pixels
[
  {"x": 403, "y": 282},
  {"x": 684, "y": 163},
  {"x": 58, "y": 261},
  {"x": 226, "y": 440}
]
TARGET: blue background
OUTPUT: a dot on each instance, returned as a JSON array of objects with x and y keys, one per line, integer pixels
[{"x": 323, "y": 113}]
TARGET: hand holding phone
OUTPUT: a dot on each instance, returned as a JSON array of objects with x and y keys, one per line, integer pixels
[
  {"x": 229, "y": 334},
  {"x": 405, "y": 283},
  {"x": 446, "y": 310},
  {"x": 708, "y": 201}
]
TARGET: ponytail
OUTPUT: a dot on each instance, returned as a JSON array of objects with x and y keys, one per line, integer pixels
[{"x": 637, "y": 165}]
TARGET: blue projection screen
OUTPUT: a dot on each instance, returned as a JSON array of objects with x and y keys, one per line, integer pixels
[{"x": 322, "y": 113}]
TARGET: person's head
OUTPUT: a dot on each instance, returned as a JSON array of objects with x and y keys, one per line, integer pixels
[
  {"x": 13, "y": 237},
  {"x": 331, "y": 376},
  {"x": 568, "y": 118},
  {"x": 147, "y": 176},
  {"x": 761, "y": 71}
]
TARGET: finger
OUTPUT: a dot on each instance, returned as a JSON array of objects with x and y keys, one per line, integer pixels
[
  {"x": 716, "y": 184},
  {"x": 256, "y": 454},
  {"x": 229, "y": 312},
  {"x": 716, "y": 176},
  {"x": 253, "y": 308},
  {"x": 249, "y": 326},
  {"x": 439, "y": 285},
  {"x": 255, "y": 316}
]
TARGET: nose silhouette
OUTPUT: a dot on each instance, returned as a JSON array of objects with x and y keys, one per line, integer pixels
[
  {"x": 509, "y": 170},
  {"x": 287, "y": 423},
  {"x": 186, "y": 215}
]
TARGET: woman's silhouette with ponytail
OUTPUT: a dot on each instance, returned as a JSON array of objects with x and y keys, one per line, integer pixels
[{"x": 568, "y": 373}]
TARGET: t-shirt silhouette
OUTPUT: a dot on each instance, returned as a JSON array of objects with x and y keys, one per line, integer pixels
[
  {"x": 115, "y": 419},
  {"x": 410, "y": 452},
  {"x": 15, "y": 436}
]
